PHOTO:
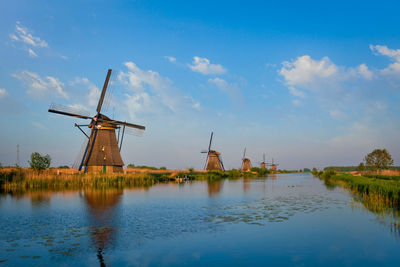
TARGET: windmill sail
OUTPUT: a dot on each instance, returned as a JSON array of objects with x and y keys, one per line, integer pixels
[
  {"x": 213, "y": 159},
  {"x": 101, "y": 151}
]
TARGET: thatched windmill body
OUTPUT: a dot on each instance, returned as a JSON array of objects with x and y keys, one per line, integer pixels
[
  {"x": 246, "y": 163},
  {"x": 263, "y": 164},
  {"x": 102, "y": 150},
  {"x": 213, "y": 160},
  {"x": 273, "y": 165}
]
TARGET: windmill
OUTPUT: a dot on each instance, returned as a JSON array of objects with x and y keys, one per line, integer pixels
[
  {"x": 213, "y": 160},
  {"x": 273, "y": 165},
  {"x": 246, "y": 164},
  {"x": 102, "y": 150},
  {"x": 263, "y": 164}
]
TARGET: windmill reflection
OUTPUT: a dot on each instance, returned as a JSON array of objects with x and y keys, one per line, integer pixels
[
  {"x": 103, "y": 207},
  {"x": 246, "y": 185},
  {"x": 214, "y": 187}
]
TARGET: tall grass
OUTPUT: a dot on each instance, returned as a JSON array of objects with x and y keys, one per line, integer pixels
[
  {"x": 380, "y": 188},
  {"x": 28, "y": 179}
]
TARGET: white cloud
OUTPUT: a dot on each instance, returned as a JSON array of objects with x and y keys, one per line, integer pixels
[
  {"x": 139, "y": 103},
  {"x": 385, "y": 51},
  {"x": 365, "y": 72},
  {"x": 295, "y": 92},
  {"x": 80, "y": 109},
  {"x": 204, "y": 66},
  {"x": 32, "y": 53},
  {"x": 94, "y": 91},
  {"x": 231, "y": 89},
  {"x": 357, "y": 136},
  {"x": 296, "y": 102},
  {"x": 196, "y": 105},
  {"x": 23, "y": 34},
  {"x": 337, "y": 114},
  {"x": 39, "y": 125},
  {"x": 220, "y": 83},
  {"x": 3, "y": 92},
  {"x": 39, "y": 87},
  {"x": 380, "y": 106},
  {"x": 140, "y": 80},
  {"x": 152, "y": 93},
  {"x": 305, "y": 70},
  {"x": 393, "y": 68},
  {"x": 170, "y": 59}
]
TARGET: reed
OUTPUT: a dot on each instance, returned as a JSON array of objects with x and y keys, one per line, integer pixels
[
  {"x": 381, "y": 189},
  {"x": 27, "y": 179}
]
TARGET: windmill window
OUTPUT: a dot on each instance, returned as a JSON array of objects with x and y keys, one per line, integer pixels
[
  {"x": 102, "y": 148},
  {"x": 105, "y": 157}
]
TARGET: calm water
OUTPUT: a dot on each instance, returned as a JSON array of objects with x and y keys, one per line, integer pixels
[{"x": 289, "y": 220}]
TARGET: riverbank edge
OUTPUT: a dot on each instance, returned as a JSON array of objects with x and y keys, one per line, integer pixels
[
  {"x": 27, "y": 179},
  {"x": 381, "y": 188}
]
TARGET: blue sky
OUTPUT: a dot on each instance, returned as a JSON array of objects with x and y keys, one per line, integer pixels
[{"x": 309, "y": 83}]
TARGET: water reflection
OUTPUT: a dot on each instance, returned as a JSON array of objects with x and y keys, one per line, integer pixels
[
  {"x": 214, "y": 187},
  {"x": 246, "y": 185},
  {"x": 151, "y": 226},
  {"x": 103, "y": 210},
  {"x": 383, "y": 212}
]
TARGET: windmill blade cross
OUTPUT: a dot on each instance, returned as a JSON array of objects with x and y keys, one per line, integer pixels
[
  {"x": 91, "y": 140},
  {"x": 115, "y": 122},
  {"x": 205, "y": 165},
  {"x": 68, "y": 111},
  {"x": 244, "y": 153},
  {"x": 86, "y": 149},
  {"x": 209, "y": 146},
  {"x": 222, "y": 164},
  {"x": 103, "y": 92}
]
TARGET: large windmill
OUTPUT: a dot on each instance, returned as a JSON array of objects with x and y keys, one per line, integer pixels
[
  {"x": 102, "y": 151},
  {"x": 213, "y": 160},
  {"x": 246, "y": 164}
]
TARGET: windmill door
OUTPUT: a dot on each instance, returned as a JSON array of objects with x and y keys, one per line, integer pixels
[{"x": 104, "y": 168}]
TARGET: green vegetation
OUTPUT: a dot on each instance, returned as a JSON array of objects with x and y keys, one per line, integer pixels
[
  {"x": 341, "y": 168},
  {"x": 379, "y": 159},
  {"x": 63, "y": 167},
  {"x": 361, "y": 167},
  {"x": 131, "y": 165},
  {"x": 306, "y": 170},
  {"x": 39, "y": 162},
  {"x": 377, "y": 187},
  {"x": 259, "y": 171}
]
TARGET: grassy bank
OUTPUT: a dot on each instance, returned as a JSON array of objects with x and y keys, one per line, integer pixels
[
  {"x": 27, "y": 179},
  {"x": 375, "y": 187}
]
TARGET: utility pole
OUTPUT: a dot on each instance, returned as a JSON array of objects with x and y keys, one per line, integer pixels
[{"x": 17, "y": 164}]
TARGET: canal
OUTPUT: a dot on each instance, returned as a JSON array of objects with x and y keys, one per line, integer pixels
[{"x": 280, "y": 220}]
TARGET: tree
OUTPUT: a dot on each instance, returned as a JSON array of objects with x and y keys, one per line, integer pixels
[
  {"x": 379, "y": 159},
  {"x": 39, "y": 162},
  {"x": 361, "y": 167},
  {"x": 306, "y": 170},
  {"x": 131, "y": 165}
]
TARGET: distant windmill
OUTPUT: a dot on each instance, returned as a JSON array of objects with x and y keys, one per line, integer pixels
[
  {"x": 101, "y": 152},
  {"x": 246, "y": 164},
  {"x": 213, "y": 160},
  {"x": 263, "y": 164},
  {"x": 273, "y": 165}
]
